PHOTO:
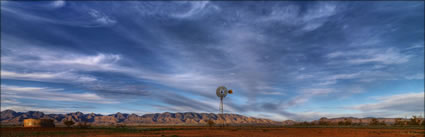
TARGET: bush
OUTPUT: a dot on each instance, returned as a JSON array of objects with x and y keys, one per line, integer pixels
[
  {"x": 210, "y": 123},
  {"x": 83, "y": 124},
  {"x": 415, "y": 121},
  {"x": 305, "y": 123},
  {"x": 374, "y": 122},
  {"x": 323, "y": 121},
  {"x": 347, "y": 121},
  {"x": 68, "y": 123},
  {"x": 398, "y": 122},
  {"x": 360, "y": 122},
  {"x": 120, "y": 126}
]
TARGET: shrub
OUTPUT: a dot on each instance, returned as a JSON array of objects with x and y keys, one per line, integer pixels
[
  {"x": 305, "y": 123},
  {"x": 415, "y": 121},
  {"x": 210, "y": 123},
  {"x": 83, "y": 124},
  {"x": 120, "y": 126},
  {"x": 347, "y": 121},
  {"x": 359, "y": 123},
  {"x": 323, "y": 121},
  {"x": 68, "y": 123},
  {"x": 374, "y": 122},
  {"x": 398, "y": 122}
]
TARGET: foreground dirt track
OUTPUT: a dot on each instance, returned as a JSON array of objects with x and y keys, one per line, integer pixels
[{"x": 212, "y": 132}]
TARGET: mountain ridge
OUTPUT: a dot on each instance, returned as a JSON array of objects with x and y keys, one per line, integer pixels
[{"x": 11, "y": 117}]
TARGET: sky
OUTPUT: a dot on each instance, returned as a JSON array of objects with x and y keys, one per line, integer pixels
[{"x": 283, "y": 59}]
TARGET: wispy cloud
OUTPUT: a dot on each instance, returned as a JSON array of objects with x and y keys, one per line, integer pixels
[
  {"x": 416, "y": 46},
  {"x": 101, "y": 18},
  {"x": 6, "y": 101},
  {"x": 58, "y": 3},
  {"x": 383, "y": 56},
  {"x": 316, "y": 17},
  {"x": 313, "y": 18},
  {"x": 306, "y": 94},
  {"x": 119, "y": 90},
  {"x": 51, "y": 94},
  {"x": 85, "y": 17},
  {"x": 406, "y": 102},
  {"x": 273, "y": 93},
  {"x": 363, "y": 76},
  {"x": 50, "y": 77},
  {"x": 195, "y": 8},
  {"x": 57, "y": 61},
  {"x": 415, "y": 76}
]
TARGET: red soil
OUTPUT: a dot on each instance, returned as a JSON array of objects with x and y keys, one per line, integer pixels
[{"x": 214, "y": 132}]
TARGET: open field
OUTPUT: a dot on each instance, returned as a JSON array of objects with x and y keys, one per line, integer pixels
[{"x": 213, "y": 132}]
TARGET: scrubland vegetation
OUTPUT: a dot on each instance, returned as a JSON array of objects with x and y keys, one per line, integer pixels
[
  {"x": 412, "y": 127},
  {"x": 413, "y": 122}
]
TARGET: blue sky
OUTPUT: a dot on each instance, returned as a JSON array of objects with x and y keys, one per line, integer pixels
[{"x": 283, "y": 59}]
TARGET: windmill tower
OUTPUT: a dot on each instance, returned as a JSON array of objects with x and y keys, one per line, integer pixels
[{"x": 221, "y": 93}]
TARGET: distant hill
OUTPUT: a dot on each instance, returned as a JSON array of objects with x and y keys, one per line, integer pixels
[
  {"x": 10, "y": 117},
  {"x": 357, "y": 120}
]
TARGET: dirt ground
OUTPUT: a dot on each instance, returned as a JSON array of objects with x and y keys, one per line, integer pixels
[{"x": 210, "y": 132}]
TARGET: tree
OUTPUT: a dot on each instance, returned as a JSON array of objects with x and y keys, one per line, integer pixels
[
  {"x": 323, "y": 121},
  {"x": 83, "y": 124},
  {"x": 210, "y": 123},
  {"x": 347, "y": 121},
  {"x": 398, "y": 122},
  {"x": 374, "y": 121},
  {"x": 415, "y": 121},
  {"x": 68, "y": 123}
]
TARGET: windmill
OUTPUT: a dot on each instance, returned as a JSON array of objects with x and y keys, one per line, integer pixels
[{"x": 221, "y": 93}]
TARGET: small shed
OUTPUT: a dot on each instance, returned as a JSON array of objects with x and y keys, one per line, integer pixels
[{"x": 31, "y": 122}]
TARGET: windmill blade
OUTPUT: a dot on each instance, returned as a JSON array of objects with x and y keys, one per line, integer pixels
[{"x": 221, "y": 91}]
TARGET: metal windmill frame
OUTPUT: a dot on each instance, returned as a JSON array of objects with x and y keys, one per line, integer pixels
[{"x": 222, "y": 93}]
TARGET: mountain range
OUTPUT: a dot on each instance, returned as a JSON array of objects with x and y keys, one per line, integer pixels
[{"x": 10, "y": 117}]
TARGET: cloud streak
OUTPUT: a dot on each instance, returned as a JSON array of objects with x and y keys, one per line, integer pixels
[
  {"x": 86, "y": 17},
  {"x": 384, "y": 56},
  {"x": 407, "y": 102},
  {"x": 43, "y": 93}
]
